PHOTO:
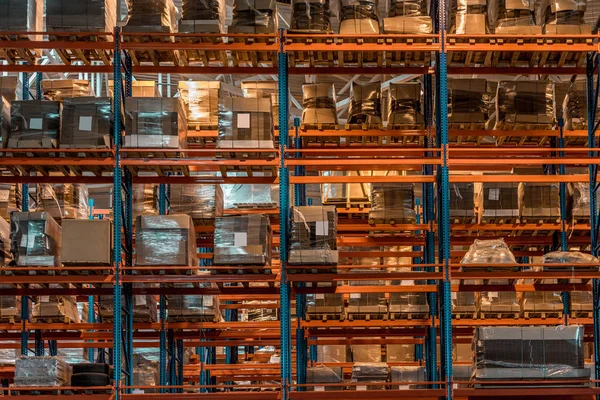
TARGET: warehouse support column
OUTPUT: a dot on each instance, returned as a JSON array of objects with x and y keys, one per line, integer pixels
[
  {"x": 163, "y": 374},
  {"x": 25, "y": 208},
  {"x": 566, "y": 295}
]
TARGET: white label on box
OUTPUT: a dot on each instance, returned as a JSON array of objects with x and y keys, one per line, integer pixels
[
  {"x": 320, "y": 296},
  {"x": 454, "y": 295},
  {"x": 240, "y": 239},
  {"x": 355, "y": 295},
  {"x": 243, "y": 120},
  {"x": 44, "y": 299},
  {"x": 322, "y": 228},
  {"x": 137, "y": 391},
  {"x": 4, "y": 194},
  {"x": 36, "y": 123},
  {"x": 492, "y": 295},
  {"x": 494, "y": 194},
  {"x": 361, "y": 388},
  {"x": 85, "y": 124},
  {"x": 319, "y": 388}
]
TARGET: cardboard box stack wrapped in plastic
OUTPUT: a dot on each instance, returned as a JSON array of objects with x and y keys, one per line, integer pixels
[
  {"x": 155, "y": 123},
  {"x": 8, "y": 87},
  {"x": 522, "y": 104},
  {"x": 536, "y": 352},
  {"x": 312, "y": 16},
  {"x": 22, "y": 16},
  {"x": 579, "y": 211},
  {"x": 498, "y": 201},
  {"x": 359, "y": 17},
  {"x": 324, "y": 375},
  {"x": 145, "y": 199},
  {"x": 201, "y": 202},
  {"x": 144, "y": 307},
  {"x": 243, "y": 240},
  {"x": 574, "y": 107},
  {"x": 333, "y": 353},
  {"x": 10, "y": 199},
  {"x": 193, "y": 307},
  {"x": 63, "y": 201},
  {"x": 395, "y": 353},
  {"x": 202, "y": 103},
  {"x": 264, "y": 89},
  {"x": 81, "y": 15},
  {"x": 151, "y": 16},
  {"x": 313, "y": 237},
  {"x": 462, "y": 201},
  {"x": 35, "y": 239},
  {"x": 42, "y": 372},
  {"x": 61, "y": 89},
  {"x": 392, "y": 203},
  {"x": 202, "y": 16},
  {"x": 408, "y": 374},
  {"x": 163, "y": 240},
  {"x": 34, "y": 124},
  {"x": 469, "y": 17},
  {"x": 62, "y": 309},
  {"x": 138, "y": 89},
  {"x": 539, "y": 201},
  {"x": 86, "y": 123},
  {"x": 87, "y": 242},
  {"x": 254, "y": 16},
  {"x": 241, "y": 196},
  {"x": 4, "y": 122},
  {"x": 513, "y": 17},
  {"x": 408, "y": 303},
  {"x": 318, "y": 105},
  {"x": 324, "y": 306},
  {"x": 370, "y": 373},
  {"x": 408, "y": 17},
  {"x": 564, "y": 17},
  {"x": 246, "y": 123},
  {"x": 405, "y": 106},
  {"x": 10, "y": 306},
  {"x": 365, "y": 104},
  {"x": 367, "y": 305},
  {"x": 468, "y": 103}
]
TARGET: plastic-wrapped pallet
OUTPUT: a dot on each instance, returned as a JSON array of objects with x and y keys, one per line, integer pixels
[
  {"x": 202, "y": 16},
  {"x": 262, "y": 311},
  {"x": 365, "y": 104},
  {"x": 10, "y": 307},
  {"x": 370, "y": 373},
  {"x": 163, "y": 240},
  {"x": 322, "y": 374},
  {"x": 512, "y": 17},
  {"x": 201, "y": 202},
  {"x": 138, "y": 89},
  {"x": 582, "y": 303},
  {"x": 525, "y": 103},
  {"x": 324, "y": 306},
  {"x": 264, "y": 89},
  {"x": 254, "y": 16},
  {"x": 146, "y": 373},
  {"x": 86, "y": 123},
  {"x": 498, "y": 201},
  {"x": 405, "y": 106},
  {"x": 574, "y": 107},
  {"x": 42, "y": 371},
  {"x": 240, "y": 196},
  {"x": 312, "y": 16},
  {"x": 34, "y": 124},
  {"x": 63, "y": 201},
  {"x": 155, "y": 123},
  {"x": 202, "y": 103},
  {"x": 400, "y": 353},
  {"x": 366, "y": 353},
  {"x": 81, "y": 16},
  {"x": 8, "y": 356},
  {"x": 22, "y": 16},
  {"x": 4, "y": 122},
  {"x": 462, "y": 201},
  {"x": 406, "y": 375},
  {"x": 333, "y": 353},
  {"x": 580, "y": 196},
  {"x": 408, "y": 17},
  {"x": 570, "y": 259},
  {"x": 61, "y": 89},
  {"x": 469, "y": 17},
  {"x": 541, "y": 352},
  {"x": 564, "y": 17},
  {"x": 413, "y": 304},
  {"x": 539, "y": 201},
  {"x": 243, "y": 240},
  {"x": 145, "y": 199},
  {"x": 359, "y": 17},
  {"x": 56, "y": 309},
  {"x": 392, "y": 203},
  {"x": 313, "y": 236},
  {"x": 5, "y": 254},
  {"x": 318, "y": 105},
  {"x": 468, "y": 103},
  {"x": 35, "y": 239},
  {"x": 542, "y": 303},
  {"x": 246, "y": 123},
  {"x": 367, "y": 305},
  {"x": 144, "y": 307},
  {"x": 10, "y": 199},
  {"x": 151, "y": 16},
  {"x": 192, "y": 308}
]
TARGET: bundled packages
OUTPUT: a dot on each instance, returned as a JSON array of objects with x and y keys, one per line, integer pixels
[
  {"x": 254, "y": 16},
  {"x": 138, "y": 89},
  {"x": 145, "y": 199},
  {"x": 499, "y": 201},
  {"x": 163, "y": 240},
  {"x": 81, "y": 15},
  {"x": 514, "y": 17},
  {"x": 86, "y": 123},
  {"x": 359, "y": 17},
  {"x": 564, "y": 17},
  {"x": 524, "y": 103},
  {"x": 408, "y": 17},
  {"x": 318, "y": 104},
  {"x": 365, "y": 104},
  {"x": 63, "y": 201},
  {"x": 10, "y": 199},
  {"x": 56, "y": 308},
  {"x": 35, "y": 239},
  {"x": 574, "y": 108},
  {"x": 151, "y": 16},
  {"x": 201, "y": 202},
  {"x": 570, "y": 259},
  {"x": 313, "y": 236},
  {"x": 408, "y": 303},
  {"x": 202, "y": 16},
  {"x": 4, "y": 122},
  {"x": 61, "y": 89},
  {"x": 367, "y": 305},
  {"x": 333, "y": 353},
  {"x": 87, "y": 242},
  {"x": 321, "y": 374},
  {"x": 246, "y": 123},
  {"x": 34, "y": 124},
  {"x": 243, "y": 195},
  {"x": 202, "y": 103},
  {"x": 392, "y": 203},
  {"x": 311, "y": 16},
  {"x": 409, "y": 374},
  {"x": 144, "y": 306},
  {"x": 264, "y": 89},
  {"x": 42, "y": 372},
  {"x": 371, "y": 373},
  {"x": 5, "y": 255},
  {"x": 580, "y": 196},
  {"x": 468, "y": 103},
  {"x": 539, "y": 201},
  {"x": 325, "y": 305},
  {"x": 22, "y": 16},
  {"x": 155, "y": 123},
  {"x": 469, "y": 17},
  {"x": 405, "y": 107},
  {"x": 243, "y": 240},
  {"x": 462, "y": 201},
  {"x": 192, "y": 307}
]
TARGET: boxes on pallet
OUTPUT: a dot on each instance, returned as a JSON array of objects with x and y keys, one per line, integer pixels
[
  {"x": 408, "y": 17},
  {"x": 359, "y": 18},
  {"x": 468, "y": 102},
  {"x": 395, "y": 353},
  {"x": 261, "y": 311},
  {"x": 264, "y": 89},
  {"x": 367, "y": 305},
  {"x": 202, "y": 103},
  {"x": 5, "y": 255},
  {"x": 525, "y": 103},
  {"x": 144, "y": 306},
  {"x": 333, "y": 353},
  {"x": 408, "y": 303},
  {"x": 574, "y": 107},
  {"x": 392, "y": 203},
  {"x": 22, "y": 16},
  {"x": 163, "y": 240},
  {"x": 542, "y": 302},
  {"x": 542, "y": 352},
  {"x": 34, "y": 124},
  {"x": 87, "y": 242},
  {"x": 581, "y": 303},
  {"x": 42, "y": 371},
  {"x": 243, "y": 240},
  {"x": 539, "y": 201},
  {"x": 462, "y": 201},
  {"x": 564, "y": 17},
  {"x": 56, "y": 309},
  {"x": 366, "y": 353},
  {"x": 61, "y": 89},
  {"x": 201, "y": 202},
  {"x": 204, "y": 16},
  {"x": 365, "y": 104},
  {"x": 4, "y": 122},
  {"x": 151, "y": 16},
  {"x": 570, "y": 259},
  {"x": 312, "y": 16},
  {"x": 138, "y": 89},
  {"x": 498, "y": 201},
  {"x": 244, "y": 196},
  {"x": 155, "y": 123},
  {"x": 405, "y": 105},
  {"x": 145, "y": 199},
  {"x": 511, "y": 17},
  {"x": 325, "y": 306},
  {"x": 313, "y": 236},
  {"x": 193, "y": 307},
  {"x": 462, "y": 352},
  {"x": 322, "y": 374},
  {"x": 406, "y": 375},
  {"x": 469, "y": 17},
  {"x": 246, "y": 123},
  {"x": 86, "y": 123},
  {"x": 35, "y": 239},
  {"x": 63, "y": 201},
  {"x": 10, "y": 199},
  {"x": 371, "y": 373},
  {"x": 254, "y": 17},
  {"x": 318, "y": 104},
  {"x": 81, "y": 16}
]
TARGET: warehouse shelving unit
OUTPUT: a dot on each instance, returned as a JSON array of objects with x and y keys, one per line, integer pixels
[{"x": 434, "y": 151}]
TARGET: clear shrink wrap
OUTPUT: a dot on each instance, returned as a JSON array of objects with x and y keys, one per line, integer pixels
[
  {"x": 468, "y": 103},
  {"x": 63, "y": 201},
  {"x": 322, "y": 374},
  {"x": 408, "y": 17},
  {"x": 81, "y": 15},
  {"x": 513, "y": 17},
  {"x": 359, "y": 17},
  {"x": 400, "y": 353},
  {"x": 34, "y": 124},
  {"x": 564, "y": 17},
  {"x": 145, "y": 199},
  {"x": 61, "y": 89},
  {"x": 539, "y": 201},
  {"x": 35, "y": 239},
  {"x": 55, "y": 309},
  {"x": 318, "y": 104},
  {"x": 144, "y": 306},
  {"x": 193, "y": 307},
  {"x": 392, "y": 203},
  {"x": 408, "y": 8},
  {"x": 86, "y": 123},
  {"x": 146, "y": 373},
  {"x": 246, "y": 123},
  {"x": 333, "y": 353},
  {"x": 408, "y": 374},
  {"x": 4, "y": 122},
  {"x": 574, "y": 107},
  {"x": 311, "y": 16},
  {"x": 524, "y": 103},
  {"x": 542, "y": 302},
  {"x": 155, "y": 122},
  {"x": 138, "y": 89},
  {"x": 42, "y": 371},
  {"x": 462, "y": 201},
  {"x": 408, "y": 303},
  {"x": 151, "y": 16},
  {"x": 5, "y": 254},
  {"x": 405, "y": 105},
  {"x": 323, "y": 306},
  {"x": 244, "y": 195},
  {"x": 469, "y": 17},
  {"x": 493, "y": 251},
  {"x": 570, "y": 259},
  {"x": 22, "y": 16},
  {"x": 201, "y": 202},
  {"x": 344, "y": 193},
  {"x": 367, "y": 305},
  {"x": 243, "y": 240},
  {"x": 8, "y": 356},
  {"x": 202, "y": 16},
  {"x": 366, "y": 353},
  {"x": 498, "y": 201},
  {"x": 365, "y": 104},
  {"x": 370, "y": 373},
  {"x": 580, "y": 198},
  {"x": 10, "y": 199},
  {"x": 541, "y": 352},
  {"x": 581, "y": 303},
  {"x": 264, "y": 89},
  {"x": 202, "y": 103},
  {"x": 262, "y": 311},
  {"x": 163, "y": 240},
  {"x": 254, "y": 16},
  {"x": 10, "y": 307},
  {"x": 313, "y": 236}
]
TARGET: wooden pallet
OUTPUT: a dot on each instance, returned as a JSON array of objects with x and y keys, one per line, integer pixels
[
  {"x": 244, "y": 270},
  {"x": 359, "y": 316},
  {"x": 12, "y": 56},
  {"x": 564, "y": 58},
  {"x": 325, "y": 317},
  {"x": 390, "y": 221},
  {"x": 408, "y": 315},
  {"x": 206, "y": 57},
  {"x": 541, "y": 314},
  {"x": 193, "y": 318},
  {"x": 87, "y": 56},
  {"x": 462, "y": 314},
  {"x": 182, "y": 270},
  {"x": 499, "y": 315},
  {"x": 263, "y": 170},
  {"x": 13, "y": 319},
  {"x": 310, "y": 58},
  {"x": 156, "y": 57},
  {"x": 62, "y": 319},
  {"x": 408, "y": 58},
  {"x": 361, "y": 58},
  {"x": 404, "y": 139},
  {"x": 299, "y": 269},
  {"x": 469, "y": 58},
  {"x": 162, "y": 154},
  {"x": 254, "y": 58}
]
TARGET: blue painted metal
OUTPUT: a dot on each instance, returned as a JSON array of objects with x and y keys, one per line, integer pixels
[
  {"x": 25, "y": 86},
  {"x": 165, "y": 370},
  {"x": 39, "y": 343},
  {"x": 566, "y": 296},
  {"x": 38, "y": 86},
  {"x": 91, "y": 318},
  {"x": 416, "y": 261},
  {"x": 284, "y": 199}
]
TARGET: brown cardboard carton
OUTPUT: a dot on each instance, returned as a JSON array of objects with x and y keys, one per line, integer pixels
[
  {"x": 567, "y": 29},
  {"x": 87, "y": 242},
  {"x": 407, "y": 25}
]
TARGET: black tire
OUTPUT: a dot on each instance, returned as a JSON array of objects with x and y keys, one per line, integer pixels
[
  {"x": 95, "y": 368},
  {"x": 89, "y": 379}
]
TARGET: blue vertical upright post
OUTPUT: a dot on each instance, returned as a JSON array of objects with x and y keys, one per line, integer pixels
[
  {"x": 566, "y": 295},
  {"x": 90, "y": 317},
  {"x": 284, "y": 199},
  {"x": 163, "y": 376},
  {"x": 25, "y": 207},
  {"x": 117, "y": 182},
  {"x": 38, "y": 86},
  {"x": 416, "y": 261}
]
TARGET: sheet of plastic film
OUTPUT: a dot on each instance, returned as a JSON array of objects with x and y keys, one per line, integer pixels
[
  {"x": 81, "y": 15},
  {"x": 151, "y": 16}
]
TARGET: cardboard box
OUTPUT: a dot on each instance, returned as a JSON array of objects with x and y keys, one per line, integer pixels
[
  {"x": 243, "y": 240},
  {"x": 34, "y": 124},
  {"x": 86, "y": 123},
  {"x": 246, "y": 123},
  {"x": 60, "y": 89},
  {"x": 313, "y": 236},
  {"x": 87, "y": 242},
  {"x": 404, "y": 104},
  {"x": 362, "y": 26},
  {"x": 151, "y": 16},
  {"x": 202, "y": 103},
  {"x": 36, "y": 239},
  {"x": 519, "y": 30},
  {"x": 408, "y": 25},
  {"x": 165, "y": 240},
  {"x": 155, "y": 123},
  {"x": 471, "y": 24},
  {"x": 138, "y": 89},
  {"x": 81, "y": 15},
  {"x": 567, "y": 29},
  {"x": 22, "y": 16}
]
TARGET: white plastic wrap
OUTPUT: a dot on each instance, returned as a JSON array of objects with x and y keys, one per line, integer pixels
[
  {"x": 359, "y": 17},
  {"x": 202, "y": 103},
  {"x": 151, "y": 16},
  {"x": 67, "y": 200},
  {"x": 42, "y": 371},
  {"x": 469, "y": 17},
  {"x": 246, "y": 123},
  {"x": 81, "y": 15},
  {"x": 250, "y": 196},
  {"x": 35, "y": 239},
  {"x": 392, "y": 203},
  {"x": 570, "y": 259},
  {"x": 524, "y": 103},
  {"x": 318, "y": 104}
]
